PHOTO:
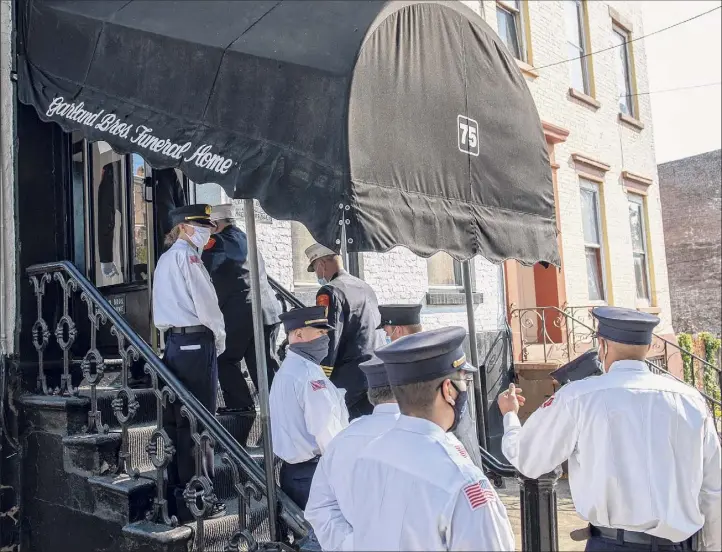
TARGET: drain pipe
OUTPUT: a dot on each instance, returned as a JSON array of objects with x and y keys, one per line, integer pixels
[{"x": 3, "y": 184}]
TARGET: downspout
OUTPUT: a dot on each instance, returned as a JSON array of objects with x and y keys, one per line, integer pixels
[{"x": 4, "y": 74}]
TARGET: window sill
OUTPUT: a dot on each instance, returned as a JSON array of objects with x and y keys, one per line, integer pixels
[
  {"x": 631, "y": 121},
  {"x": 527, "y": 69},
  {"x": 650, "y": 310},
  {"x": 437, "y": 297},
  {"x": 584, "y": 98}
]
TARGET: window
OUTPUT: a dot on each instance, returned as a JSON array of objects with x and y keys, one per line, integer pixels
[
  {"x": 510, "y": 25},
  {"x": 444, "y": 271},
  {"x": 639, "y": 246},
  {"x": 620, "y": 39},
  {"x": 591, "y": 222},
  {"x": 300, "y": 240},
  {"x": 579, "y": 69}
]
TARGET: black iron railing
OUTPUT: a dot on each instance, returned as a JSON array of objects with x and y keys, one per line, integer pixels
[{"x": 249, "y": 480}]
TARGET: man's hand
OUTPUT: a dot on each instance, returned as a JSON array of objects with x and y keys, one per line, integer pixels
[{"x": 510, "y": 400}]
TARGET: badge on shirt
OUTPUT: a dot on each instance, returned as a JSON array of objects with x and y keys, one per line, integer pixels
[
  {"x": 461, "y": 450},
  {"x": 548, "y": 402},
  {"x": 210, "y": 244},
  {"x": 478, "y": 494},
  {"x": 317, "y": 385},
  {"x": 194, "y": 259}
]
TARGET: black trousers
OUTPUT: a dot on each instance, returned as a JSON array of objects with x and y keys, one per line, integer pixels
[
  {"x": 192, "y": 359},
  {"x": 598, "y": 543},
  {"x": 296, "y": 480},
  {"x": 236, "y": 393}
]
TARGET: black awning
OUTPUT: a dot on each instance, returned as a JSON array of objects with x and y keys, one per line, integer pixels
[{"x": 408, "y": 121}]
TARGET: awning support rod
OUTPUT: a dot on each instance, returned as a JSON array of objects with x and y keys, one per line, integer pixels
[
  {"x": 480, "y": 398},
  {"x": 259, "y": 341}
]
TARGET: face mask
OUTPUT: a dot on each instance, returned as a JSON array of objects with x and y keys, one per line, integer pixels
[
  {"x": 322, "y": 281},
  {"x": 315, "y": 350},
  {"x": 460, "y": 405},
  {"x": 388, "y": 339},
  {"x": 200, "y": 237}
]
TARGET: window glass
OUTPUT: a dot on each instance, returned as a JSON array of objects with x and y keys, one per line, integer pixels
[
  {"x": 508, "y": 26},
  {"x": 108, "y": 178},
  {"x": 639, "y": 247},
  {"x": 443, "y": 270},
  {"x": 576, "y": 45},
  {"x": 139, "y": 213},
  {"x": 301, "y": 239},
  {"x": 624, "y": 75},
  {"x": 591, "y": 223}
]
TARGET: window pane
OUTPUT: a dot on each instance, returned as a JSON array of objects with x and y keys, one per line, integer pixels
[
  {"x": 300, "y": 240},
  {"x": 140, "y": 222},
  {"x": 576, "y": 68},
  {"x": 595, "y": 285},
  {"x": 640, "y": 275},
  {"x": 108, "y": 187},
  {"x": 572, "y": 19},
  {"x": 590, "y": 219},
  {"x": 507, "y": 26},
  {"x": 623, "y": 73},
  {"x": 441, "y": 270},
  {"x": 636, "y": 227}
]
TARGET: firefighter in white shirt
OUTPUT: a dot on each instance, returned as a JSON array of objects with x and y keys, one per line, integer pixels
[
  {"x": 330, "y": 499},
  {"x": 643, "y": 451},
  {"x": 416, "y": 489},
  {"x": 307, "y": 410},
  {"x": 186, "y": 307}
]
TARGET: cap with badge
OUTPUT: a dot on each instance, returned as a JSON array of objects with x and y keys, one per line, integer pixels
[
  {"x": 425, "y": 356},
  {"x": 626, "y": 326},
  {"x": 581, "y": 367},
  {"x": 316, "y": 251},
  {"x": 375, "y": 371},
  {"x": 221, "y": 212},
  {"x": 399, "y": 315},
  {"x": 199, "y": 214},
  {"x": 307, "y": 317}
]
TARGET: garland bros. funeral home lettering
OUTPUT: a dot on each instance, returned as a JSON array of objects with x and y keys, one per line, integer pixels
[{"x": 202, "y": 157}]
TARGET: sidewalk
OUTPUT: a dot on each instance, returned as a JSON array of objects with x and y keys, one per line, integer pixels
[{"x": 567, "y": 517}]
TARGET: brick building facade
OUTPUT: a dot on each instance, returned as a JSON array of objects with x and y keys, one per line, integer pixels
[{"x": 692, "y": 211}]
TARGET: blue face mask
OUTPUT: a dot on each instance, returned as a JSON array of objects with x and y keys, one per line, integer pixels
[
  {"x": 322, "y": 281},
  {"x": 388, "y": 339}
]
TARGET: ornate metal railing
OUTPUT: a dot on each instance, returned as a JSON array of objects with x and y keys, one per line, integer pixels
[{"x": 248, "y": 477}]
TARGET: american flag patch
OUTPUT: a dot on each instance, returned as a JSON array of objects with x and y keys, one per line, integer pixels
[
  {"x": 461, "y": 450},
  {"x": 478, "y": 494},
  {"x": 194, "y": 260},
  {"x": 318, "y": 384}
]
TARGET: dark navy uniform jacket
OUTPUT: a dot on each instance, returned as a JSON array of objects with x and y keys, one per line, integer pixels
[
  {"x": 226, "y": 258},
  {"x": 353, "y": 311}
]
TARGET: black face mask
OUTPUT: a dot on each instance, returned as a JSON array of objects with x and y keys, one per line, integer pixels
[
  {"x": 315, "y": 350},
  {"x": 460, "y": 405}
]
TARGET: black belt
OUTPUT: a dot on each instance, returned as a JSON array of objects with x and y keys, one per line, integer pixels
[
  {"x": 631, "y": 537},
  {"x": 313, "y": 460},
  {"x": 189, "y": 330}
]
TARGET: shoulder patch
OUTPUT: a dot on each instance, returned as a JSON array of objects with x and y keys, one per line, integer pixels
[
  {"x": 210, "y": 244},
  {"x": 323, "y": 300},
  {"x": 193, "y": 259},
  {"x": 317, "y": 385},
  {"x": 548, "y": 402},
  {"x": 461, "y": 450},
  {"x": 479, "y": 493}
]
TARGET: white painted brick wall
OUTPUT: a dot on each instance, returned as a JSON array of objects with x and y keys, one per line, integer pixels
[{"x": 400, "y": 276}]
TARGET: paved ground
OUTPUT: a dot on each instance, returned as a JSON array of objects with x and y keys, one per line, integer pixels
[{"x": 568, "y": 519}]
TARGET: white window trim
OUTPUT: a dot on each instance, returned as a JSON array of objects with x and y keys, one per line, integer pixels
[
  {"x": 589, "y": 185},
  {"x": 639, "y": 200}
]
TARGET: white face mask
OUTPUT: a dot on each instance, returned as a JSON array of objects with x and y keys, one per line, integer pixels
[{"x": 200, "y": 237}]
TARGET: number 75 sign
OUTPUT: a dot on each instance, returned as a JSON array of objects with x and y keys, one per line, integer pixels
[{"x": 468, "y": 131}]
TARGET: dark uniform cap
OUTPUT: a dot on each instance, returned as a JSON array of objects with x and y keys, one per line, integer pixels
[
  {"x": 581, "y": 367},
  {"x": 399, "y": 315},
  {"x": 626, "y": 326},
  {"x": 375, "y": 371},
  {"x": 307, "y": 317},
  {"x": 199, "y": 213},
  {"x": 425, "y": 356}
]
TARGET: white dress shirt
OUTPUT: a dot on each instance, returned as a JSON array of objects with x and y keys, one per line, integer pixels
[
  {"x": 183, "y": 294},
  {"x": 330, "y": 499},
  {"x": 307, "y": 410},
  {"x": 416, "y": 489},
  {"x": 642, "y": 448}
]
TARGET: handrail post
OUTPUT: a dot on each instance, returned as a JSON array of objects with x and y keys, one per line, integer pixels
[
  {"x": 258, "y": 338},
  {"x": 480, "y": 397},
  {"x": 539, "y": 529}
]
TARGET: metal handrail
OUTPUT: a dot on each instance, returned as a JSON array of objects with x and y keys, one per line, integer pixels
[
  {"x": 290, "y": 512},
  {"x": 285, "y": 294}
]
